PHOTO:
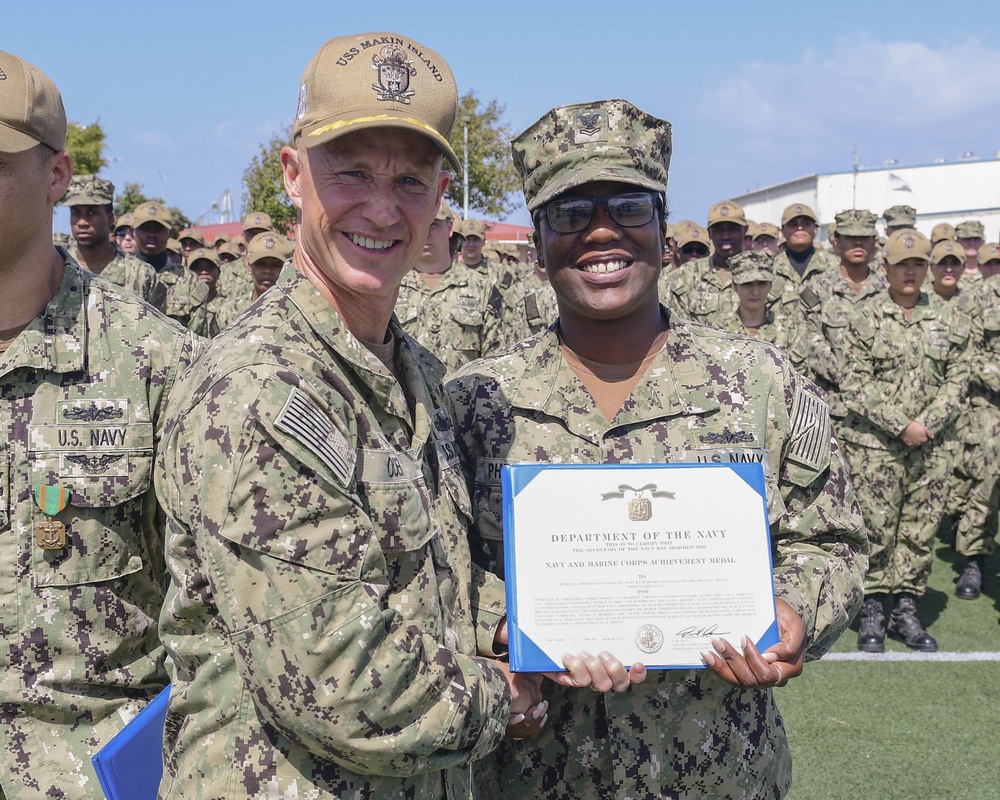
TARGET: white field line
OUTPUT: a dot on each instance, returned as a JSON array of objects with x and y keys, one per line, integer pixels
[{"x": 944, "y": 657}]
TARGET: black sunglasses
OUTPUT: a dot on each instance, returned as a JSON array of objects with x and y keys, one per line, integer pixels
[{"x": 573, "y": 214}]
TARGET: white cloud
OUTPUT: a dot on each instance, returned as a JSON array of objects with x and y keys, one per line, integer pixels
[
  {"x": 861, "y": 87},
  {"x": 154, "y": 140}
]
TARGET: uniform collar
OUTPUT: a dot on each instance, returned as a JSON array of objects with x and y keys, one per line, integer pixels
[
  {"x": 324, "y": 320},
  {"x": 55, "y": 340},
  {"x": 677, "y": 382}
]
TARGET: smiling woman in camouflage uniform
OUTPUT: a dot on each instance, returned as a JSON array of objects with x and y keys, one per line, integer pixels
[{"x": 618, "y": 379}]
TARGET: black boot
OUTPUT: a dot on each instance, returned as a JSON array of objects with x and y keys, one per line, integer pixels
[
  {"x": 871, "y": 627},
  {"x": 970, "y": 585},
  {"x": 904, "y": 625}
]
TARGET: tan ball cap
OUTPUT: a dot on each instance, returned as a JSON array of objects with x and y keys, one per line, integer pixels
[
  {"x": 193, "y": 234},
  {"x": 692, "y": 233},
  {"x": 941, "y": 232},
  {"x": 151, "y": 212},
  {"x": 31, "y": 108},
  {"x": 444, "y": 211},
  {"x": 766, "y": 229},
  {"x": 203, "y": 254},
  {"x": 797, "y": 210},
  {"x": 907, "y": 243},
  {"x": 257, "y": 221},
  {"x": 474, "y": 227},
  {"x": 377, "y": 80},
  {"x": 726, "y": 211},
  {"x": 945, "y": 248},
  {"x": 988, "y": 252},
  {"x": 268, "y": 245}
]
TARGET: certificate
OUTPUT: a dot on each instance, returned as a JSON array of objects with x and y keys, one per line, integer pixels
[{"x": 646, "y": 561}]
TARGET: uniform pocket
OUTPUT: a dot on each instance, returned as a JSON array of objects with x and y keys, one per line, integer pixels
[{"x": 103, "y": 518}]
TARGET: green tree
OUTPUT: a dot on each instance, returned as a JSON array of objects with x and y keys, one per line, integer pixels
[
  {"x": 85, "y": 144},
  {"x": 263, "y": 187},
  {"x": 128, "y": 198},
  {"x": 492, "y": 177}
]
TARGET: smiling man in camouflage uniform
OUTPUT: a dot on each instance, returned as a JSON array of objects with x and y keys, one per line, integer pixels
[
  {"x": 85, "y": 369},
  {"x": 329, "y": 635}
]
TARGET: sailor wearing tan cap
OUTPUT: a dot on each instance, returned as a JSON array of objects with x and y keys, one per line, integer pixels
[
  {"x": 266, "y": 255},
  {"x": 973, "y": 496},
  {"x": 85, "y": 370},
  {"x": 187, "y": 297},
  {"x": 324, "y": 619},
  {"x": 800, "y": 259},
  {"x": 702, "y": 290},
  {"x": 906, "y": 376}
]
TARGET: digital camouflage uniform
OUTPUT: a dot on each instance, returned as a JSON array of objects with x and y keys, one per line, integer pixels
[
  {"x": 701, "y": 293},
  {"x": 459, "y": 320},
  {"x": 135, "y": 275},
  {"x": 532, "y": 310},
  {"x": 966, "y": 439},
  {"x": 826, "y": 321},
  {"x": 786, "y": 332},
  {"x": 235, "y": 279},
  {"x": 186, "y": 298},
  {"x": 707, "y": 396},
  {"x": 980, "y": 433},
  {"x": 83, "y": 390},
  {"x": 319, "y": 617},
  {"x": 226, "y": 310},
  {"x": 898, "y": 371},
  {"x": 784, "y": 325},
  {"x": 819, "y": 262}
]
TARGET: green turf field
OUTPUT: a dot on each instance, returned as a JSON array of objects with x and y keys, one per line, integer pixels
[{"x": 907, "y": 730}]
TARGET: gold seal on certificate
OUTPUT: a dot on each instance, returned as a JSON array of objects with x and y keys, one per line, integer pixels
[{"x": 647, "y": 561}]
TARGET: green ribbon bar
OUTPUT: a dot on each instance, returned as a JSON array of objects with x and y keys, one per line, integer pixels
[{"x": 51, "y": 499}]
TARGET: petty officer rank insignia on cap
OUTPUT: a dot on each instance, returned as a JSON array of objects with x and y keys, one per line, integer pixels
[{"x": 592, "y": 125}]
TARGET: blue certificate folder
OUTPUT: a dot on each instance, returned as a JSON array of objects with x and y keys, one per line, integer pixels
[
  {"x": 526, "y": 655},
  {"x": 129, "y": 767}
]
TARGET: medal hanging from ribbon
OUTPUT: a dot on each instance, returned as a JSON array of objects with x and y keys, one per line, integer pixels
[
  {"x": 50, "y": 533},
  {"x": 640, "y": 507}
]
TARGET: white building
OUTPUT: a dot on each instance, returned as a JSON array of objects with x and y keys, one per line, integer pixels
[{"x": 950, "y": 192}]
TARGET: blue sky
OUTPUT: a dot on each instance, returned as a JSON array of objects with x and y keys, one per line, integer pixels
[{"x": 758, "y": 93}]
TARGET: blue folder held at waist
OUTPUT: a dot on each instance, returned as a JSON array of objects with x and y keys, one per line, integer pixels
[{"x": 129, "y": 767}]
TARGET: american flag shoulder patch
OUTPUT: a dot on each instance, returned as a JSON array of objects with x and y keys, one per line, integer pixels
[
  {"x": 810, "y": 435},
  {"x": 303, "y": 420}
]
